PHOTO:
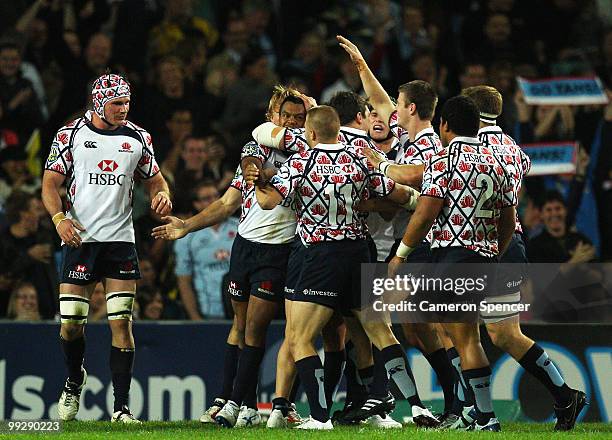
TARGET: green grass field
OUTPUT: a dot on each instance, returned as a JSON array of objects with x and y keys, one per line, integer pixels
[{"x": 195, "y": 430}]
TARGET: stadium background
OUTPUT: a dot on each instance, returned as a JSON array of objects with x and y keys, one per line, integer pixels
[{"x": 204, "y": 69}]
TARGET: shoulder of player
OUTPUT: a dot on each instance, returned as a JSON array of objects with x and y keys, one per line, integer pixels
[
  {"x": 66, "y": 133},
  {"x": 139, "y": 133}
]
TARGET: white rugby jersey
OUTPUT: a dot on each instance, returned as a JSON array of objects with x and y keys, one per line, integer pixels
[
  {"x": 475, "y": 187},
  {"x": 510, "y": 155},
  {"x": 328, "y": 181},
  {"x": 275, "y": 226},
  {"x": 100, "y": 166}
]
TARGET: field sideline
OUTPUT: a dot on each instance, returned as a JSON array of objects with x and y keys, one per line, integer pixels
[{"x": 193, "y": 429}]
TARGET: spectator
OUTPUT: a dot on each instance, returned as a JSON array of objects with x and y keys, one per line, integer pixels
[
  {"x": 189, "y": 171},
  {"x": 217, "y": 168},
  {"x": 97, "y": 304},
  {"x": 169, "y": 145},
  {"x": 247, "y": 99},
  {"x": 501, "y": 75},
  {"x": 32, "y": 249},
  {"x": 557, "y": 243},
  {"x": 309, "y": 62},
  {"x": 202, "y": 259},
  {"x": 414, "y": 36},
  {"x": 19, "y": 107},
  {"x": 23, "y": 304},
  {"x": 177, "y": 27},
  {"x": 257, "y": 17},
  {"x": 473, "y": 73},
  {"x": 8, "y": 281},
  {"x": 220, "y": 77},
  {"x": 348, "y": 82},
  {"x": 171, "y": 92},
  {"x": 157, "y": 251},
  {"x": 235, "y": 43},
  {"x": 78, "y": 72},
  {"x": 14, "y": 173},
  {"x": 166, "y": 283},
  {"x": 151, "y": 304}
]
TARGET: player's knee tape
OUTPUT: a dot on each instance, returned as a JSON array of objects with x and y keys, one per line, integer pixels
[
  {"x": 73, "y": 308},
  {"x": 496, "y": 316},
  {"x": 119, "y": 305}
]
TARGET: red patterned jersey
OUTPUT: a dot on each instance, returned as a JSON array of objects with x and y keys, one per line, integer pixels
[
  {"x": 327, "y": 182},
  {"x": 100, "y": 167},
  {"x": 355, "y": 140},
  {"x": 475, "y": 187},
  {"x": 506, "y": 151}
]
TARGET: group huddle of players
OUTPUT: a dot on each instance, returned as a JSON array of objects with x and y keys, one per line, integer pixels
[
  {"x": 315, "y": 185},
  {"x": 310, "y": 183}
]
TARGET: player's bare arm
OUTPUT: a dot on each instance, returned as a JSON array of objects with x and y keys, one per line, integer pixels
[
  {"x": 373, "y": 89},
  {"x": 159, "y": 193},
  {"x": 67, "y": 229},
  {"x": 267, "y": 196},
  {"x": 505, "y": 228},
  {"x": 426, "y": 212},
  {"x": 405, "y": 174},
  {"x": 215, "y": 213}
]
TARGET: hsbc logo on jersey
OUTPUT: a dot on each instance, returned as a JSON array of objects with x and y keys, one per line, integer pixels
[
  {"x": 334, "y": 170},
  {"x": 79, "y": 273},
  {"x": 108, "y": 165}
]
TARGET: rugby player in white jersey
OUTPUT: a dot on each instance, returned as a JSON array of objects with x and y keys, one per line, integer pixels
[
  {"x": 504, "y": 326},
  {"x": 410, "y": 123},
  {"x": 328, "y": 180},
  {"x": 254, "y": 284},
  {"x": 98, "y": 157},
  {"x": 468, "y": 199}
]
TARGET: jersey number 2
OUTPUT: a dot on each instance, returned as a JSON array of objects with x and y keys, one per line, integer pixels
[
  {"x": 346, "y": 193},
  {"x": 485, "y": 182}
]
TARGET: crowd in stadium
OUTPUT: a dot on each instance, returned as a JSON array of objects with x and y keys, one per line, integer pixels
[{"x": 202, "y": 73}]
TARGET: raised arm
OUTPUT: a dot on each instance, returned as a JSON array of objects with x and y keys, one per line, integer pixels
[{"x": 377, "y": 95}]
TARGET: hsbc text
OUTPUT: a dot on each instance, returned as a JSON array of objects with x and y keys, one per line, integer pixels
[{"x": 106, "y": 179}]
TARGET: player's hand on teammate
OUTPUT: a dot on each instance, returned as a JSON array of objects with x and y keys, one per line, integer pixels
[
  {"x": 353, "y": 51},
  {"x": 172, "y": 230},
  {"x": 161, "y": 203},
  {"x": 251, "y": 174},
  {"x": 309, "y": 101},
  {"x": 68, "y": 230},
  {"x": 374, "y": 157}
]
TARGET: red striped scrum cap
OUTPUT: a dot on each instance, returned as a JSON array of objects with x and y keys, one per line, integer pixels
[{"x": 107, "y": 88}]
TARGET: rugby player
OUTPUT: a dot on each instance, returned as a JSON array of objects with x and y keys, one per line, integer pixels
[
  {"x": 257, "y": 229},
  {"x": 98, "y": 157},
  {"x": 504, "y": 327},
  {"x": 460, "y": 173}
]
